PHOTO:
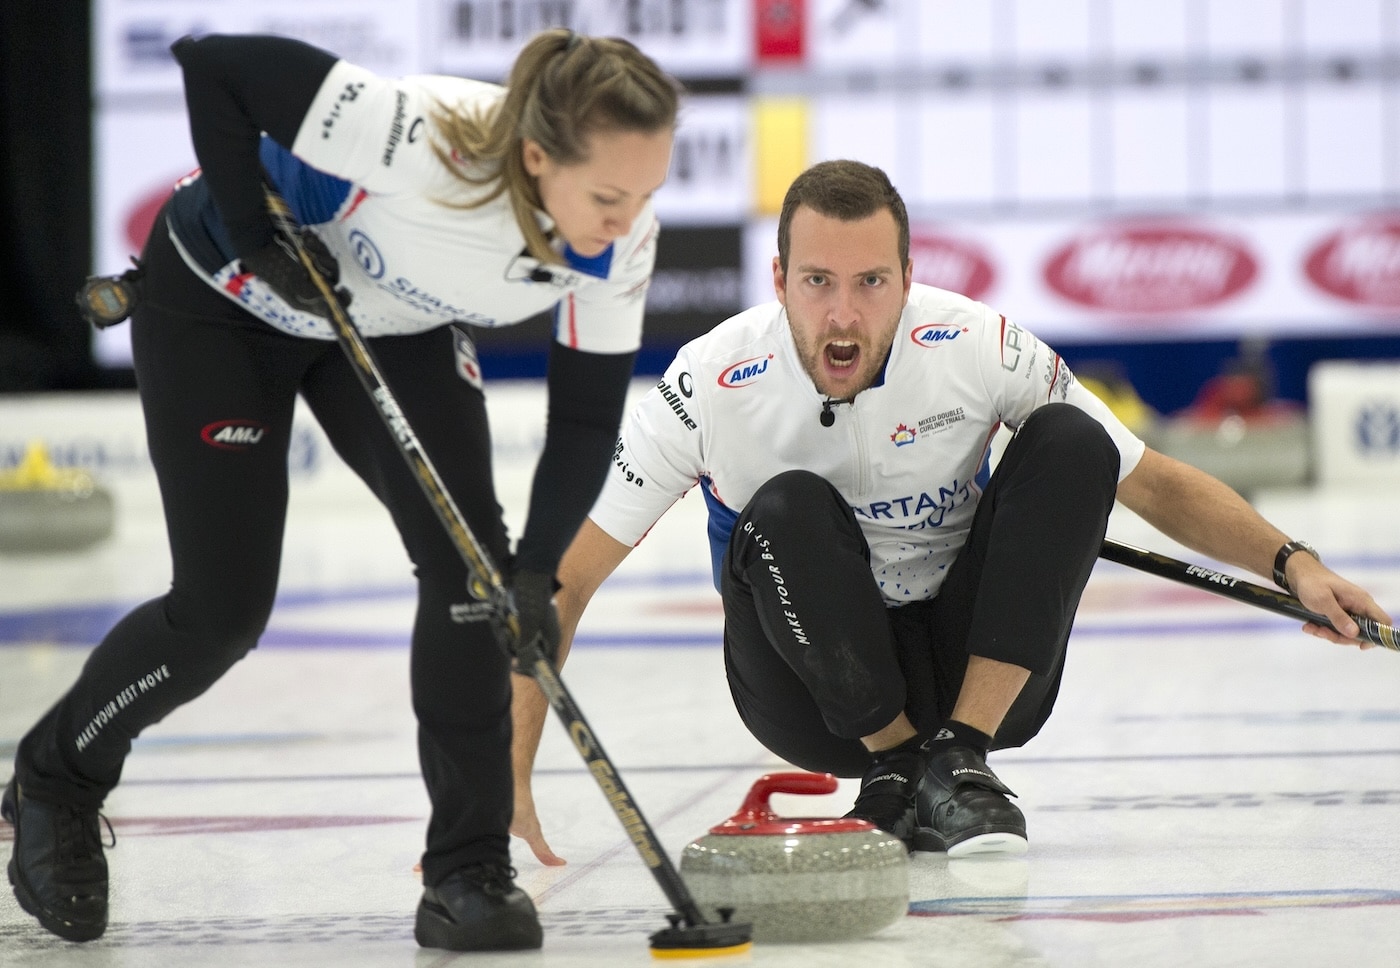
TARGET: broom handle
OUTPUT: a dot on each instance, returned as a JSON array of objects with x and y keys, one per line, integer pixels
[{"x": 1240, "y": 590}]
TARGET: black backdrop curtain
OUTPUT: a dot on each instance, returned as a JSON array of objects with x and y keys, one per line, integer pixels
[{"x": 45, "y": 195}]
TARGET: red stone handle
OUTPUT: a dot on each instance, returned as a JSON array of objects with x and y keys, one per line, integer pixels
[{"x": 755, "y": 808}]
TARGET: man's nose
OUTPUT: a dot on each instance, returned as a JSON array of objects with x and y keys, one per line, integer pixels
[{"x": 842, "y": 311}]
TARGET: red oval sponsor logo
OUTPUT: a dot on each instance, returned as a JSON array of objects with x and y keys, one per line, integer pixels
[
  {"x": 936, "y": 334},
  {"x": 1360, "y": 263},
  {"x": 143, "y": 215},
  {"x": 744, "y": 372},
  {"x": 953, "y": 264},
  {"x": 1151, "y": 268}
]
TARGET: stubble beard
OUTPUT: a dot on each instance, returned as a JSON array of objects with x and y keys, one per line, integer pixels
[{"x": 811, "y": 355}]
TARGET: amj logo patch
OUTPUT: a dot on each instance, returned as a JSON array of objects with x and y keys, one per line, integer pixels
[
  {"x": 745, "y": 371},
  {"x": 936, "y": 334},
  {"x": 233, "y": 434}
]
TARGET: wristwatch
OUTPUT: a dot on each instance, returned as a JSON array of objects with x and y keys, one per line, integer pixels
[{"x": 1281, "y": 560}]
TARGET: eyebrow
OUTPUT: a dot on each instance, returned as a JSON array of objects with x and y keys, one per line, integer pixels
[
  {"x": 624, "y": 192},
  {"x": 807, "y": 267}
]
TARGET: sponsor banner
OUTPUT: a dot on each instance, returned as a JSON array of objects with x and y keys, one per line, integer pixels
[
  {"x": 691, "y": 38},
  {"x": 132, "y": 38},
  {"x": 1130, "y": 279},
  {"x": 711, "y": 168},
  {"x": 1154, "y": 268},
  {"x": 1354, "y": 412},
  {"x": 950, "y": 261},
  {"x": 1359, "y": 263}
]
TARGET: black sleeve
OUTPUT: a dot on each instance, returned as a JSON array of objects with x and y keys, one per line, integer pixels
[
  {"x": 587, "y": 392},
  {"x": 237, "y": 87}
]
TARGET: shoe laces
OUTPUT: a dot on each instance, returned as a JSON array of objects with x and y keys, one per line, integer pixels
[
  {"x": 495, "y": 880},
  {"x": 78, "y": 832}
]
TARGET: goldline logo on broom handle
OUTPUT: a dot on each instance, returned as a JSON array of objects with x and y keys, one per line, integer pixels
[
  {"x": 486, "y": 583},
  {"x": 1240, "y": 590}
]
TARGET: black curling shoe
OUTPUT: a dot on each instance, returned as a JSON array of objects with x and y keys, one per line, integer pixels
[
  {"x": 962, "y": 808},
  {"x": 57, "y": 866},
  {"x": 478, "y": 908},
  {"x": 887, "y": 792}
]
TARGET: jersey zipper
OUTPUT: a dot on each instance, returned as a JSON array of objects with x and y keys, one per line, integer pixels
[{"x": 862, "y": 465}]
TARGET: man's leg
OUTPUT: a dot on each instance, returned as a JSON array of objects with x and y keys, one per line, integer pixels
[
  {"x": 808, "y": 649},
  {"x": 1003, "y": 617}
]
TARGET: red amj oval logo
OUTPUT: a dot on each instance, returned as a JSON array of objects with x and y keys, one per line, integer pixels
[
  {"x": 953, "y": 264},
  {"x": 1360, "y": 263},
  {"x": 744, "y": 372},
  {"x": 936, "y": 334},
  {"x": 1151, "y": 269},
  {"x": 233, "y": 434}
]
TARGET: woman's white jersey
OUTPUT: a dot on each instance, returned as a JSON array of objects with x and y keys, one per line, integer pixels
[{"x": 364, "y": 174}]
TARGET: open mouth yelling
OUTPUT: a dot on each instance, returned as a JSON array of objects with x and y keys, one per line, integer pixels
[{"x": 841, "y": 355}]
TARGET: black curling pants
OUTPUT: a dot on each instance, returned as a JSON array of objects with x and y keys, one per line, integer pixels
[
  {"x": 218, "y": 389},
  {"x": 816, "y": 660}
]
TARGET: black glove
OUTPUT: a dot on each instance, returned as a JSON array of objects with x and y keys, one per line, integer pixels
[
  {"x": 278, "y": 265},
  {"x": 532, "y": 594}
]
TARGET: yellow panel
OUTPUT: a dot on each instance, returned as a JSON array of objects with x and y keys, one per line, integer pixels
[{"x": 780, "y": 149}]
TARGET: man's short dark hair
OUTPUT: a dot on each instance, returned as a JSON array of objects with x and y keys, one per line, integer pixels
[{"x": 845, "y": 190}]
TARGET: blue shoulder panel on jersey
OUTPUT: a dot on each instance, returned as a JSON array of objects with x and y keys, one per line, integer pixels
[
  {"x": 984, "y": 473},
  {"x": 879, "y": 380},
  {"x": 596, "y": 265},
  {"x": 720, "y": 527},
  {"x": 313, "y": 195}
]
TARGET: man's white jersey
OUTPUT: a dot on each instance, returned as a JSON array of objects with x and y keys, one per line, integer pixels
[
  {"x": 909, "y": 455},
  {"x": 363, "y": 172}
]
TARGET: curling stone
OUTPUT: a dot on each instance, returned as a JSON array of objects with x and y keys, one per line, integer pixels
[
  {"x": 44, "y": 508},
  {"x": 799, "y": 879}
]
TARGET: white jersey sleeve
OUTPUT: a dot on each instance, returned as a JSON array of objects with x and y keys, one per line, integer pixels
[
  {"x": 374, "y": 130},
  {"x": 1022, "y": 374},
  {"x": 658, "y": 458}
]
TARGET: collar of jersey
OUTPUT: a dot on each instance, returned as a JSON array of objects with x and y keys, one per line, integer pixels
[{"x": 594, "y": 265}]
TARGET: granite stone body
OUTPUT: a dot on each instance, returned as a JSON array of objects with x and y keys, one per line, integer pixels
[{"x": 799, "y": 879}]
